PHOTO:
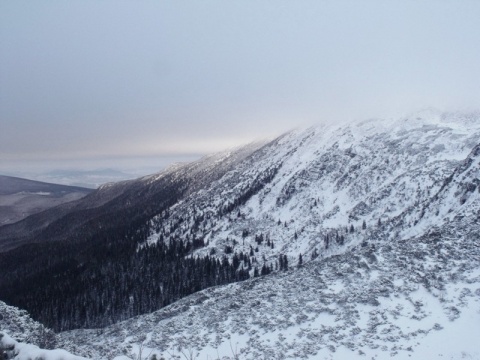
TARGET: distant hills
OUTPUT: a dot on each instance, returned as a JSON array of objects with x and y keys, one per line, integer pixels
[
  {"x": 91, "y": 179},
  {"x": 20, "y": 198},
  {"x": 86, "y": 178}
]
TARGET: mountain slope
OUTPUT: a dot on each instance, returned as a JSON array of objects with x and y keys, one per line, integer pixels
[
  {"x": 320, "y": 181},
  {"x": 307, "y": 197},
  {"x": 409, "y": 299},
  {"x": 407, "y": 286},
  {"x": 142, "y": 197},
  {"x": 83, "y": 251}
]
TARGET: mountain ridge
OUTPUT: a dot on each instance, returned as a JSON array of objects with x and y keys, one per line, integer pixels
[
  {"x": 400, "y": 287},
  {"x": 384, "y": 204}
]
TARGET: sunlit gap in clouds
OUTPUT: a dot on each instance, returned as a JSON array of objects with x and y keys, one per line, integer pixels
[{"x": 134, "y": 160}]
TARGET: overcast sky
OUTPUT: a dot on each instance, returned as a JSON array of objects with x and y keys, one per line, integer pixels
[{"x": 82, "y": 81}]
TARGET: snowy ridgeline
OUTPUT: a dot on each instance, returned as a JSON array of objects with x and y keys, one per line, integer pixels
[
  {"x": 406, "y": 286},
  {"x": 307, "y": 185}
]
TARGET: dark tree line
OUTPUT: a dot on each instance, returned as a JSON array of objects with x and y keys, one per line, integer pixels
[
  {"x": 94, "y": 274},
  {"x": 85, "y": 269},
  {"x": 118, "y": 283},
  {"x": 97, "y": 275}
]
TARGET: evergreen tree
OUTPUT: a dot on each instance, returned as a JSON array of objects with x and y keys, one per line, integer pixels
[{"x": 265, "y": 270}]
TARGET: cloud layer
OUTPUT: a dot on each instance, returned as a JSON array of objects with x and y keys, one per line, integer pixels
[{"x": 96, "y": 79}]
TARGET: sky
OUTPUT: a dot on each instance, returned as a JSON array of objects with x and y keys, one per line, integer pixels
[{"x": 97, "y": 83}]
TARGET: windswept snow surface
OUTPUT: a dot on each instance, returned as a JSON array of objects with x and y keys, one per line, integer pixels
[{"x": 407, "y": 286}]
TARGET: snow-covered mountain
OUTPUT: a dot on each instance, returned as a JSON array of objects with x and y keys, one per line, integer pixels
[
  {"x": 309, "y": 184},
  {"x": 406, "y": 286},
  {"x": 367, "y": 234}
]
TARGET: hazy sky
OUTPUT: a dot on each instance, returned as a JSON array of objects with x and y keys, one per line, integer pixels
[{"x": 89, "y": 80}]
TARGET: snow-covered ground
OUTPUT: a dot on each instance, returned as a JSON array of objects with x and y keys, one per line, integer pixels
[
  {"x": 408, "y": 299},
  {"x": 12, "y": 349}
]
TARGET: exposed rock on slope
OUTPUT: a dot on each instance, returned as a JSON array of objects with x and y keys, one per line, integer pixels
[{"x": 306, "y": 185}]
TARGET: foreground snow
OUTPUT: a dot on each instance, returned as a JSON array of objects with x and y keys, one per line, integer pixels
[{"x": 20, "y": 351}]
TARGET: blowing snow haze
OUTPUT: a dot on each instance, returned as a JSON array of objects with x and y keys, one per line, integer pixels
[{"x": 95, "y": 82}]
